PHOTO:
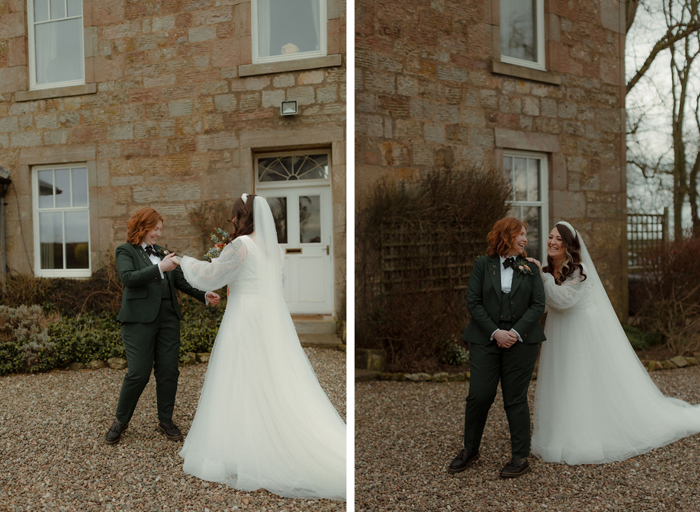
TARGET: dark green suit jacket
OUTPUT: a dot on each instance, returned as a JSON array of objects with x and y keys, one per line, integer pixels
[
  {"x": 484, "y": 302},
  {"x": 142, "y": 285}
]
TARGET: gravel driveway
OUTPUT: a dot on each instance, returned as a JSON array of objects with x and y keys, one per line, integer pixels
[
  {"x": 52, "y": 454},
  {"x": 407, "y": 434}
]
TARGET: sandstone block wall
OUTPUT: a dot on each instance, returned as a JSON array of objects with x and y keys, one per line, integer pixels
[
  {"x": 431, "y": 92},
  {"x": 172, "y": 114}
]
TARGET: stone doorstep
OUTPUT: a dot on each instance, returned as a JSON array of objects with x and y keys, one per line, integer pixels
[
  {"x": 320, "y": 340},
  {"x": 314, "y": 324}
]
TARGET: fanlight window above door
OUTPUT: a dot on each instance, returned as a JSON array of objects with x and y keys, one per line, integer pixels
[{"x": 293, "y": 168}]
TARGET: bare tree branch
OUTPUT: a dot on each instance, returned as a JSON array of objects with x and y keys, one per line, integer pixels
[{"x": 666, "y": 42}]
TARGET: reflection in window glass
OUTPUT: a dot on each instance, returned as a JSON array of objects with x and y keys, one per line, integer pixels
[
  {"x": 51, "y": 236},
  {"x": 287, "y": 27},
  {"x": 310, "y": 219},
  {"x": 79, "y": 183},
  {"x": 525, "y": 177},
  {"x": 77, "y": 248},
  {"x": 62, "y": 177},
  {"x": 45, "y": 189},
  {"x": 518, "y": 29},
  {"x": 278, "y": 205}
]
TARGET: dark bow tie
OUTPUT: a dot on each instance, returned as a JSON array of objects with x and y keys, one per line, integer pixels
[
  {"x": 509, "y": 262},
  {"x": 151, "y": 251}
]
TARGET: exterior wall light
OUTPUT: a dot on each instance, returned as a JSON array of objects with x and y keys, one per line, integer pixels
[{"x": 289, "y": 108}]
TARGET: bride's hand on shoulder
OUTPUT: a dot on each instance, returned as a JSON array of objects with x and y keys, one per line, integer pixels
[{"x": 536, "y": 262}]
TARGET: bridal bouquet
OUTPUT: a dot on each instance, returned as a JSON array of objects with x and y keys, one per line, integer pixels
[{"x": 219, "y": 237}]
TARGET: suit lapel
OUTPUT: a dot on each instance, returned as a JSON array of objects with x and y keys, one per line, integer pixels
[
  {"x": 144, "y": 257},
  {"x": 495, "y": 273},
  {"x": 517, "y": 279}
]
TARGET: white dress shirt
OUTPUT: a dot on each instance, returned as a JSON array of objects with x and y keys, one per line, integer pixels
[{"x": 155, "y": 259}]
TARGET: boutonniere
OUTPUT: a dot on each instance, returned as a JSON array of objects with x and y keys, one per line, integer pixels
[{"x": 522, "y": 266}]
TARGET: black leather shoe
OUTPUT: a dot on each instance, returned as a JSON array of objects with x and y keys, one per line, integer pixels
[
  {"x": 462, "y": 461},
  {"x": 114, "y": 434},
  {"x": 170, "y": 430},
  {"x": 515, "y": 468}
]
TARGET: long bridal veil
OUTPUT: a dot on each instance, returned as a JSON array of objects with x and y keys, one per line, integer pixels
[
  {"x": 594, "y": 400},
  {"x": 263, "y": 420}
]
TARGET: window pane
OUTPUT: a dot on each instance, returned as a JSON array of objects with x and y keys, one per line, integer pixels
[
  {"x": 59, "y": 51},
  {"x": 275, "y": 169},
  {"x": 51, "y": 240},
  {"x": 311, "y": 167},
  {"x": 520, "y": 179},
  {"x": 508, "y": 173},
  {"x": 80, "y": 186},
  {"x": 310, "y": 219},
  {"x": 58, "y": 9},
  {"x": 41, "y": 10},
  {"x": 45, "y": 189},
  {"x": 531, "y": 215},
  {"x": 278, "y": 205},
  {"x": 533, "y": 179},
  {"x": 288, "y": 26},
  {"x": 77, "y": 248},
  {"x": 62, "y": 188},
  {"x": 75, "y": 7},
  {"x": 518, "y": 27}
]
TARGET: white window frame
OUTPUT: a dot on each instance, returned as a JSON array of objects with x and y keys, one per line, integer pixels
[
  {"x": 539, "y": 37},
  {"x": 293, "y": 183},
  {"x": 38, "y": 271},
  {"x": 323, "y": 35},
  {"x": 543, "y": 203},
  {"x": 33, "y": 86}
]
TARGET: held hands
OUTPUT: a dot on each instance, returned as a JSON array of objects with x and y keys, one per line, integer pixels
[
  {"x": 169, "y": 262},
  {"x": 213, "y": 298},
  {"x": 536, "y": 262},
  {"x": 505, "y": 339}
]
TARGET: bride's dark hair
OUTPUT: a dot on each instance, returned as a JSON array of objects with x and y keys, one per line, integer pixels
[
  {"x": 572, "y": 261},
  {"x": 242, "y": 217}
]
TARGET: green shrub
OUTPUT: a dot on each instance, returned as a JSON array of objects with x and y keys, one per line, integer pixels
[
  {"x": 24, "y": 340},
  {"x": 641, "y": 340},
  {"x": 455, "y": 353},
  {"x": 33, "y": 339}
]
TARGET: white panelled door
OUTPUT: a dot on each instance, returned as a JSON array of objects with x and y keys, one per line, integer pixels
[{"x": 303, "y": 217}]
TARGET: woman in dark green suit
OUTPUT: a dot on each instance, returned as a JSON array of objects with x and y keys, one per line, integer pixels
[
  {"x": 506, "y": 299},
  {"x": 150, "y": 321}
]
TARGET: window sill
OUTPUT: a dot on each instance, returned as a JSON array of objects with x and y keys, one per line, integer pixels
[
  {"x": 58, "y": 92},
  {"x": 547, "y": 77},
  {"x": 285, "y": 66}
]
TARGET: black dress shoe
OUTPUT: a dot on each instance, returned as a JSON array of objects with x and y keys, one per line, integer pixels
[
  {"x": 515, "y": 468},
  {"x": 170, "y": 430},
  {"x": 114, "y": 434},
  {"x": 462, "y": 461}
]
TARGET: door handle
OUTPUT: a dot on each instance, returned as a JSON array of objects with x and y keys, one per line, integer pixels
[
  {"x": 328, "y": 250},
  {"x": 292, "y": 251}
]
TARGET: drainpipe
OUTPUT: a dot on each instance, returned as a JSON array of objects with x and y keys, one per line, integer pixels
[{"x": 5, "y": 182}]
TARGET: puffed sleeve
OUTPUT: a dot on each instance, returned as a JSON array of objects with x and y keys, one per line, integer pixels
[
  {"x": 217, "y": 273},
  {"x": 567, "y": 294}
]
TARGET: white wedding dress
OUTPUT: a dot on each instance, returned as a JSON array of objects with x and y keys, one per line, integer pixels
[
  {"x": 263, "y": 420},
  {"x": 594, "y": 400}
]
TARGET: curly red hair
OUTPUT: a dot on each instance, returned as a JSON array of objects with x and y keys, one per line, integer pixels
[
  {"x": 501, "y": 238},
  {"x": 140, "y": 223}
]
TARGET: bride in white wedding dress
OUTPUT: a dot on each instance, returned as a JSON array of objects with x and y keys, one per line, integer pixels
[
  {"x": 263, "y": 420},
  {"x": 594, "y": 401}
]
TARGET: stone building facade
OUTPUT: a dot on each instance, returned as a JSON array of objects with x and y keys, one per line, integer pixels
[
  {"x": 172, "y": 104},
  {"x": 534, "y": 89}
]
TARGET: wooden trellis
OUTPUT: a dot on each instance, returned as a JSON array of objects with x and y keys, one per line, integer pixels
[{"x": 646, "y": 234}]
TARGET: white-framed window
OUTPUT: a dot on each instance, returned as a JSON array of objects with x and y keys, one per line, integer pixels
[
  {"x": 56, "y": 50},
  {"x": 61, "y": 221},
  {"x": 288, "y": 29},
  {"x": 522, "y": 33},
  {"x": 527, "y": 173}
]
